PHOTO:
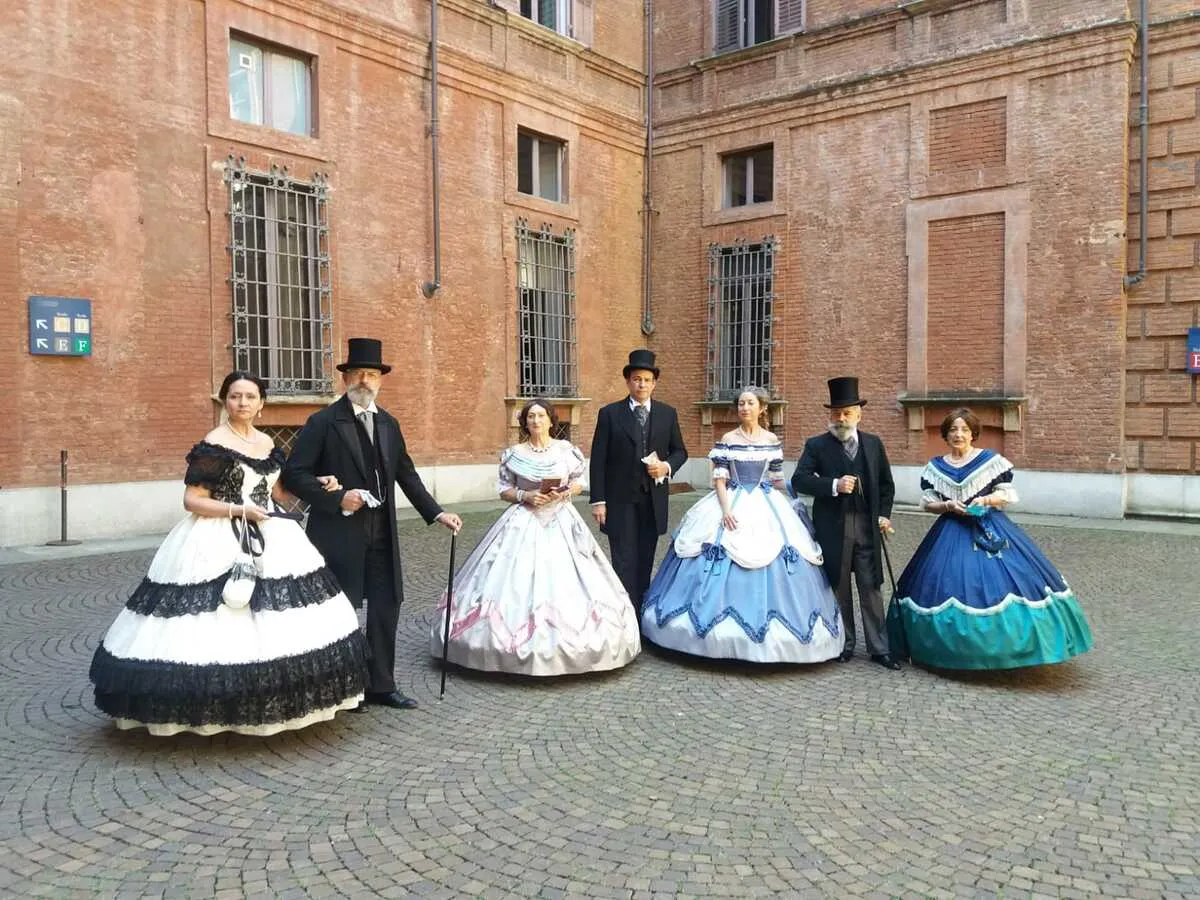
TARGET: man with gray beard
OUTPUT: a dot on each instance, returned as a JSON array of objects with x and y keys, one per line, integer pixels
[
  {"x": 847, "y": 473},
  {"x": 355, "y": 528}
]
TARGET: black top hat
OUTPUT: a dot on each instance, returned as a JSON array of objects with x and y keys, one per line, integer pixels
[
  {"x": 640, "y": 359},
  {"x": 843, "y": 392},
  {"x": 364, "y": 353}
]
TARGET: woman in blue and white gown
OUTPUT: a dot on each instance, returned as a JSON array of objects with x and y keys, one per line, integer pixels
[
  {"x": 179, "y": 657},
  {"x": 537, "y": 596},
  {"x": 742, "y": 578}
]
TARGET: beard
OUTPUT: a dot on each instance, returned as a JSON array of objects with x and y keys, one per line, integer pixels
[
  {"x": 361, "y": 395},
  {"x": 841, "y": 430}
]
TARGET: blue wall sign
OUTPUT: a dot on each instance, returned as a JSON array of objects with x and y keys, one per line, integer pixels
[
  {"x": 1193, "y": 353},
  {"x": 60, "y": 326}
]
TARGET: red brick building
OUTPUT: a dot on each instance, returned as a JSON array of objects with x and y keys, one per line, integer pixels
[
  {"x": 935, "y": 196},
  {"x": 235, "y": 183},
  {"x": 941, "y": 196}
]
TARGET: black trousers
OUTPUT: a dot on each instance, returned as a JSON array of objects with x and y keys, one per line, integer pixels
[
  {"x": 383, "y": 611},
  {"x": 858, "y": 558},
  {"x": 632, "y": 541}
]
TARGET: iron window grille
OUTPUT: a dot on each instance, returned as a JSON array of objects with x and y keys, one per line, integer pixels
[
  {"x": 741, "y": 300},
  {"x": 546, "y": 312},
  {"x": 744, "y": 23},
  {"x": 280, "y": 277}
]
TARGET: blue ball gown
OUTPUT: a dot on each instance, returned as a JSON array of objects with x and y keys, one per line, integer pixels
[
  {"x": 757, "y": 593},
  {"x": 978, "y": 593}
]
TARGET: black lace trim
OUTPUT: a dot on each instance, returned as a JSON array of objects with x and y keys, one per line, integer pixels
[
  {"x": 260, "y": 493},
  {"x": 270, "y": 594},
  {"x": 263, "y": 466},
  {"x": 261, "y": 693}
]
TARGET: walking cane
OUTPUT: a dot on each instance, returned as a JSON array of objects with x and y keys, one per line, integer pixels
[{"x": 449, "y": 606}]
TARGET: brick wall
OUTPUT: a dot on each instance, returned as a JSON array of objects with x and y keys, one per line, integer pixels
[
  {"x": 1162, "y": 411},
  {"x": 966, "y": 303},
  {"x": 968, "y": 137}
]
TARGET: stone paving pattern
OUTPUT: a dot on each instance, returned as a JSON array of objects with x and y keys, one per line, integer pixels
[{"x": 667, "y": 779}]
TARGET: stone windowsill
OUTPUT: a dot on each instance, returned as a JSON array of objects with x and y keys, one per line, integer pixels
[{"x": 916, "y": 404}]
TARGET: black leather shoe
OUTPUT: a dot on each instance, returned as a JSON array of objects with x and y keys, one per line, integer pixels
[
  {"x": 886, "y": 661},
  {"x": 361, "y": 708},
  {"x": 846, "y": 655},
  {"x": 394, "y": 699}
]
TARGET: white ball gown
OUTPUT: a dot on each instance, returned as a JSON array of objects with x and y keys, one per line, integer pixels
[
  {"x": 537, "y": 596},
  {"x": 756, "y": 593},
  {"x": 177, "y": 658}
]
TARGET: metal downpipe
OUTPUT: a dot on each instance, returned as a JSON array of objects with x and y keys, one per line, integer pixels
[
  {"x": 430, "y": 288},
  {"x": 1144, "y": 164},
  {"x": 648, "y": 180}
]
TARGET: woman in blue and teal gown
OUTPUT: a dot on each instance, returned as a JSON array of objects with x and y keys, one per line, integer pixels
[{"x": 978, "y": 593}]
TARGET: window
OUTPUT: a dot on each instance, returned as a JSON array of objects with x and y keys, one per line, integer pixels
[
  {"x": 279, "y": 253},
  {"x": 741, "y": 297},
  {"x": 546, "y": 312},
  {"x": 554, "y": 14},
  {"x": 744, "y": 23},
  {"x": 749, "y": 176},
  {"x": 540, "y": 166},
  {"x": 268, "y": 86}
]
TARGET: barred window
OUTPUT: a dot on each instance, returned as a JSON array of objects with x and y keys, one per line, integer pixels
[
  {"x": 546, "y": 312},
  {"x": 279, "y": 254},
  {"x": 741, "y": 298}
]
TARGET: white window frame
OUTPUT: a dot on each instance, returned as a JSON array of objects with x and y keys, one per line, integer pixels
[
  {"x": 261, "y": 104},
  {"x": 563, "y": 15},
  {"x": 537, "y": 143},
  {"x": 727, "y": 176}
]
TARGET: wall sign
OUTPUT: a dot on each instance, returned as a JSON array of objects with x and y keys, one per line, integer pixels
[
  {"x": 1193, "y": 351},
  {"x": 60, "y": 326}
]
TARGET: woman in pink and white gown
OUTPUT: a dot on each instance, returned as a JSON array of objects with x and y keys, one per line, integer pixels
[{"x": 538, "y": 596}]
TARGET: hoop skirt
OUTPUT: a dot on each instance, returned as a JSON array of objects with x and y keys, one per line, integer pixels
[
  {"x": 756, "y": 593},
  {"x": 177, "y": 658},
  {"x": 537, "y": 596},
  {"x": 978, "y": 593}
]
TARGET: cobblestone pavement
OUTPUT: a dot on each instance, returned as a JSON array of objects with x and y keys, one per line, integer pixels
[{"x": 668, "y": 778}]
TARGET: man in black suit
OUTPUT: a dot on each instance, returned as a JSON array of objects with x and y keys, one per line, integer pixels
[
  {"x": 362, "y": 445},
  {"x": 847, "y": 473},
  {"x": 629, "y": 495}
]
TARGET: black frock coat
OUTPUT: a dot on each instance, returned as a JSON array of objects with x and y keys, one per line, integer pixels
[
  {"x": 616, "y": 467},
  {"x": 329, "y": 445},
  {"x": 824, "y": 461}
]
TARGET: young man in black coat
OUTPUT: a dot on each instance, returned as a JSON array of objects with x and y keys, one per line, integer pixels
[
  {"x": 362, "y": 445},
  {"x": 627, "y": 499},
  {"x": 847, "y": 473}
]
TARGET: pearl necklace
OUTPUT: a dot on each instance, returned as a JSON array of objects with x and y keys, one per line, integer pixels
[
  {"x": 239, "y": 436},
  {"x": 536, "y": 449}
]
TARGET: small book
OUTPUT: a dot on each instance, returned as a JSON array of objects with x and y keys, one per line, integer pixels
[{"x": 550, "y": 485}]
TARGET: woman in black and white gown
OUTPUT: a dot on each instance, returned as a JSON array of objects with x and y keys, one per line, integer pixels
[{"x": 179, "y": 657}]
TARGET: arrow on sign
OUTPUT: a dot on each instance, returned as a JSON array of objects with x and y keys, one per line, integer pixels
[
  {"x": 43, "y": 344},
  {"x": 43, "y": 324}
]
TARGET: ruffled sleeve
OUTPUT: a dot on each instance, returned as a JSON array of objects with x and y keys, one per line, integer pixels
[
  {"x": 775, "y": 463},
  {"x": 576, "y": 465},
  {"x": 506, "y": 478},
  {"x": 1003, "y": 488},
  {"x": 207, "y": 465},
  {"x": 719, "y": 457}
]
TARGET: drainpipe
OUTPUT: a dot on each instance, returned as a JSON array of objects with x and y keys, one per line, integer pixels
[
  {"x": 648, "y": 190},
  {"x": 430, "y": 288},
  {"x": 1144, "y": 166}
]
